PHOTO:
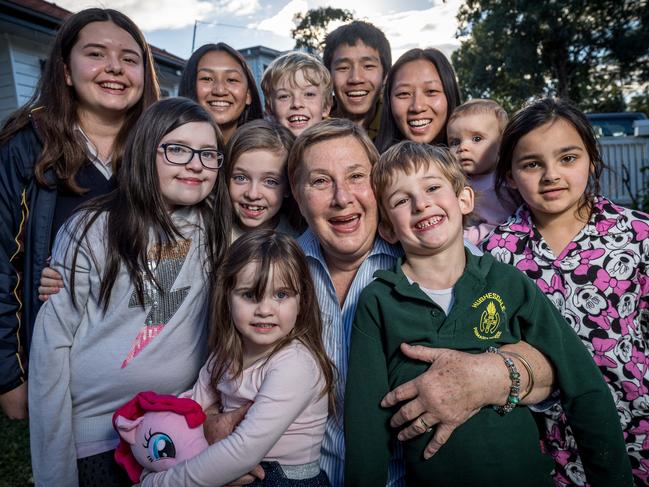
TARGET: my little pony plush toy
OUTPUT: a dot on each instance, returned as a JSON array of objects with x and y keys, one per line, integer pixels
[{"x": 157, "y": 432}]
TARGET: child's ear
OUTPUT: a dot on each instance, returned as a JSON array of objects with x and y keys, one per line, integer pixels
[
  {"x": 248, "y": 98},
  {"x": 325, "y": 110},
  {"x": 466, "y": 199},
  {"x": 268, "y": 109},
  {"x": 510, "y": 180},
  {"x": 68, "y": 77},
  {"x": 387, "y": 233}
]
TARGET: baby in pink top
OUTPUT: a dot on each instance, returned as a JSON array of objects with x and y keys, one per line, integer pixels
[{"x": 474, "y": 132}]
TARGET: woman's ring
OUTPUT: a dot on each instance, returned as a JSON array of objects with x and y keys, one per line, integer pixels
[{"x": 423, "y": 423}]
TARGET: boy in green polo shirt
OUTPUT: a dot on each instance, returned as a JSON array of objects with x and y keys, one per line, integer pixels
[{"x": 440, "y": 295}]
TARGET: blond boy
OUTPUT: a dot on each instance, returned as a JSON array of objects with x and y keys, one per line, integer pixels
[
  {"x": 298, "y": 91},
  {"x": 474, "y": 132}
]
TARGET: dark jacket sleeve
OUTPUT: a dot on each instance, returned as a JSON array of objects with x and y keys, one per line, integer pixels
[
  {"x": 17, "y": 159},
  {"x": 585, "y": 397},
  {"x": 367, "y": 430}
]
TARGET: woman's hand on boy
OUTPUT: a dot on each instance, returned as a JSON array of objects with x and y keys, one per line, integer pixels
[{"x": 455, "y": 387}]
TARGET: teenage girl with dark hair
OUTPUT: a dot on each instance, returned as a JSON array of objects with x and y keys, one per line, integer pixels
[
  {"x": 56, "y": 152},
  {"x": 419, "y": 95},
  {"x": 217, "y": 77}
]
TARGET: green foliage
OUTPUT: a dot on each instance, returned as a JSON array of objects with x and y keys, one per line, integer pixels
[
  {"x": 640, "y": 103},
  {"x": 15, "y": 465},
  {"x": 585, "y": 50},
  {"x": 311, "y": 27}
]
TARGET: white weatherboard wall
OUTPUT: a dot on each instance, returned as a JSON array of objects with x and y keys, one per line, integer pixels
[
  {"x": 20, "y": 70},
  {"x": 8, "y": 101},
  {"x": 625, "y": 157}
]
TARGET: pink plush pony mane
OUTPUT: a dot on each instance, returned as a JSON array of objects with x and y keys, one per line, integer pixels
[{"x": 149, "y": 401}]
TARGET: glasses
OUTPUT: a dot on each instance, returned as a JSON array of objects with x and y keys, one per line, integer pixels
[{"x": 181, "y": 154}]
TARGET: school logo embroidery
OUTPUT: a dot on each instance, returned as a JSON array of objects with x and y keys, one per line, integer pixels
[
  {"x": 163, "y": 301},
  {"x": 490, "y": 318}
]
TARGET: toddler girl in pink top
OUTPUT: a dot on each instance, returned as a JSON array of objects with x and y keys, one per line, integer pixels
[{"x": 266, "y": 347}]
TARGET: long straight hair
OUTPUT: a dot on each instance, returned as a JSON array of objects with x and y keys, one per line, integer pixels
[
  {"x": 54, "y": 104},
  {"x": 389, "y": 133},
  {"x": 137, "y": 207},
  {"x": 534, "y": 115},
  {"x": 189, "y": 77},
  {"x": 273, "y": 251}
]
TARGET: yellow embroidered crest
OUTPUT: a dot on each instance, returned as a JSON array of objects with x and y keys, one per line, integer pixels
[{"x": 488, "y": 329}]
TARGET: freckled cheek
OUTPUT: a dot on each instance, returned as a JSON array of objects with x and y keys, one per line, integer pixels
[
  {"x": 314, "y": 105},
  {"x": 365, "y": 195},
  {"x": 316, "y": 204}
]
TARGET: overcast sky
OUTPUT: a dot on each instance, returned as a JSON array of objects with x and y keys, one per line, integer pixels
[{"x": 169, "y": 24}]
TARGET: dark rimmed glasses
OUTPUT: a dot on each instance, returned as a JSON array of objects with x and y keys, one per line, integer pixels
[{"x": 181, "y": 154}]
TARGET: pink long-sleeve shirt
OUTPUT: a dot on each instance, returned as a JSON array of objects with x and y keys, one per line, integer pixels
[{"x": 286, "y": 422}]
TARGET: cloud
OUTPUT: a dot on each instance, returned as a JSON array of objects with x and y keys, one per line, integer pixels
[
  {"x": 427, "y": 23},
  {"x": 282, "y": 22},
  {"x": 432, "y": 27},
  {"x": 168, "y": 14},
  {"x": 239, "y": 8}
]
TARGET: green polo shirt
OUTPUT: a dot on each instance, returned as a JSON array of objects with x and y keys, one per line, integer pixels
[{"x": 494, "y": 304}]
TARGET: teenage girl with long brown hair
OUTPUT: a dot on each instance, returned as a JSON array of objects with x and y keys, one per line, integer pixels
[{"x": 59, "y": 150}]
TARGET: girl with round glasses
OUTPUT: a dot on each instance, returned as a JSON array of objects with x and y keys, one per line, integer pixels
[
  {"x": 134, "y": 264},
  {"x": 181, "y": 154}
]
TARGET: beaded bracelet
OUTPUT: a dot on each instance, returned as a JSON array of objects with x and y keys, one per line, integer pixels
[
  {"x": 515, "y": 388},
  {"x": 528, "y": 367}
]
